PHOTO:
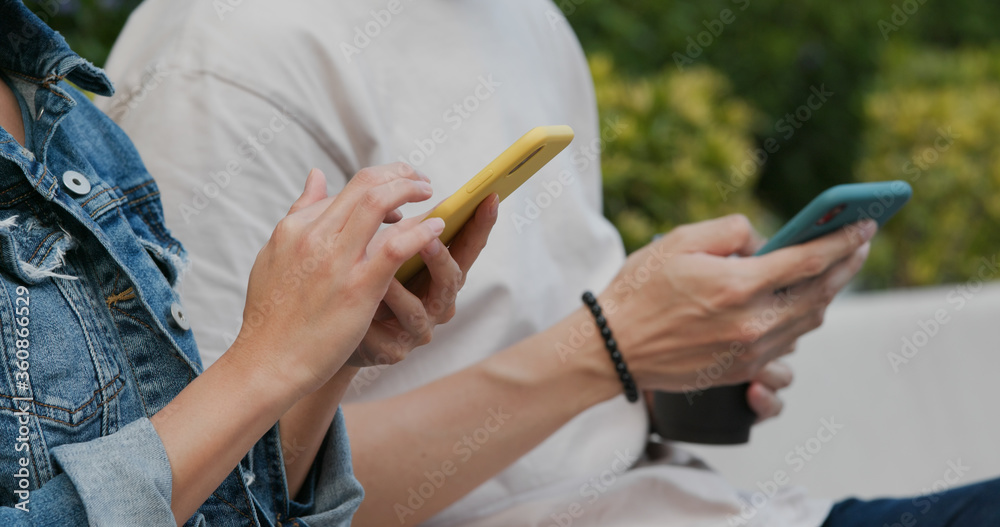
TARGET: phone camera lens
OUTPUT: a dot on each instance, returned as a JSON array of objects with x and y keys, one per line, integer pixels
[{"x": 829, "y": 216}]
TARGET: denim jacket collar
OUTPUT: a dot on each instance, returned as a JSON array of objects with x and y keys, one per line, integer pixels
[
  {"x": 37, "y": 59},
  {"x": 32, "y": 50}
]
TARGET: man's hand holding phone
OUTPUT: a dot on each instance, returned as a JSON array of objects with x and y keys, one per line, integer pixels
[{"x": 681, "y": 305}]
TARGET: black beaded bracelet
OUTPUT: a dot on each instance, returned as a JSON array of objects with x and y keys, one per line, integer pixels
[{"x": 631, "y": 391}]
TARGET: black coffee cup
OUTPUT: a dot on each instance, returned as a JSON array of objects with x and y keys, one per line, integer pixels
[{"x": 716, "y": 416}]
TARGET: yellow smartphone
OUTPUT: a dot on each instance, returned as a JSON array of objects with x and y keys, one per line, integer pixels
[{"x": 502, "y": 176}]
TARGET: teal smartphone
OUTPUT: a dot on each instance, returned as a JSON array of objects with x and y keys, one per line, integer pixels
[{"x": 838, "y": 207}]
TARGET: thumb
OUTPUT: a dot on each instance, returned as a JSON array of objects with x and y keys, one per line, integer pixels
[
  {"x": 315, "y": 191},
  {"x": 721, "y": 237}
]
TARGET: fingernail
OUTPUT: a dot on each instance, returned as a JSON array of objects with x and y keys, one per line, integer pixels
[
  {"x": 436, "y": 225},
  {"x": 869, "y": 227},
  {"x": 422, "y": 176},
  {"x": 423, "y": 185},
  {"x": 494, "y": 206},
  {"x": 433, "y": 248},
  {"x": 313, "y": 173},
  {"x": 865, "y": 249}
]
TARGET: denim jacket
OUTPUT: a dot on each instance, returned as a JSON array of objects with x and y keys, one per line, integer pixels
[{"x": 93, "y": 340}]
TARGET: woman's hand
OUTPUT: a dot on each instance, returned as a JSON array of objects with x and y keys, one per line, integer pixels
[
  {"x": 687, "y": 317},
  {"x": 318, "y": 281},
  {"x": 404, "y": 320},
  {"x": 407, "y": 316}
]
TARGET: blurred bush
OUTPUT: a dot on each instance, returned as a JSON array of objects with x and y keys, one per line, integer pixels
[
  {"x": 773, "y": 51},
  {"x": 681, "y": 134},
  {"x": 90, "y": 26},
  {"x": 704, "y": 85},
  {"x": 933, "y": 119}
]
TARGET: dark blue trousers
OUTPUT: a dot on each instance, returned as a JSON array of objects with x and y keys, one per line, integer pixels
[{"x": 976, "y": 505}]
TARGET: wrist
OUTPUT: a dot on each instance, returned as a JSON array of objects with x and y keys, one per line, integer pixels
[
  {"x": 255, "y": 366},
  {"x": 580, "y": 348},
  {"x": 341, "y": 381},
  {"x": 611, "y": 345},
  {"x": 632, "y": 328},
  {"x": 562, "y": 368}
]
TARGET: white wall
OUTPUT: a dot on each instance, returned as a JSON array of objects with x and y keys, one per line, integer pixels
[{"x": 900, "y": 429}]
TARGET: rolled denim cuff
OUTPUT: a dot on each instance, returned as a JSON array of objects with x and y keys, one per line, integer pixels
[
  {"x": 335, "y": 493},
  {"x": 123, "y": 478},
  {"x": 56, "y": 503},
  {"x": 307, "y": 496}
]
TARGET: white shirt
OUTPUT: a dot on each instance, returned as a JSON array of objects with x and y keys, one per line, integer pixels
[{"x": 231, "y": 106}]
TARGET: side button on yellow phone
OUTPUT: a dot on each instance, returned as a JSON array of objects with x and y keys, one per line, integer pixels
[{"x": 479, "y": 180}]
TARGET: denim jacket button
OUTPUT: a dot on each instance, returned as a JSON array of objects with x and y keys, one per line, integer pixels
[
  {"x": 76, "y": 183},
  {"x": 180, "y": 320}
]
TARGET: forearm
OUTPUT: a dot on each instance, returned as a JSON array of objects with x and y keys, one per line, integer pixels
[
  {"x": 304, "y": 427},
  {"x": 213, "y": 423},
  {"x": 520, "y": 396}
]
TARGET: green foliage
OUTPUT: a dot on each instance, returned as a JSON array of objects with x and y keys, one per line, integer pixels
[
  {"x": 899, "y": 71},
  {"x": 90, "y": 26},
  {"x": 773, "y": 51},
  {"x": 680, "y": 132},
  {"x": 933, "y": 120}
]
